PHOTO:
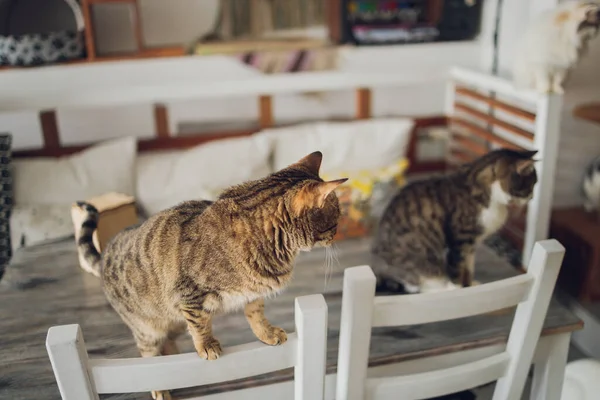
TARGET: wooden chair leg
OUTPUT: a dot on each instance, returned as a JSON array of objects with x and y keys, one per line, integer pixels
[{"x": 90, "y": 43}]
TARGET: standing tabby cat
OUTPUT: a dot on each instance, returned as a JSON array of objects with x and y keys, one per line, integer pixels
[
  {"x": 187, "y": 263},
  {"x": 426, "y": 238}
]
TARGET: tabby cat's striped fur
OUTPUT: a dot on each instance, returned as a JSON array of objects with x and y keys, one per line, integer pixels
[
  {"x": 426, "y": 238},
  {"x": 190, "y": 262}
]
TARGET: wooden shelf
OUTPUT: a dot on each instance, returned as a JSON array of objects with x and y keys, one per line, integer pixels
[
  {"x": 160, "y": 52},
  {"x": 90, "y": 38}
]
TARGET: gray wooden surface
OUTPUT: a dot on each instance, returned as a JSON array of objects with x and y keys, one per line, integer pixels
[{"x": 45, "y": 287}]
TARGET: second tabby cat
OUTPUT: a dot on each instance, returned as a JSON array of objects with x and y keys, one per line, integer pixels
[{"x": 426, "y": 238}]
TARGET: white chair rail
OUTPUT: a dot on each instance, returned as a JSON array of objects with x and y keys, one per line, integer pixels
[{"x": 80, "y": 378}]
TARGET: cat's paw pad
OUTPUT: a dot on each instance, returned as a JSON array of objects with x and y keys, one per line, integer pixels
[
  {"x": 274, "y": 336},
  {"x": 161, "y": 395},
  {"x": 209, "y": 350}
]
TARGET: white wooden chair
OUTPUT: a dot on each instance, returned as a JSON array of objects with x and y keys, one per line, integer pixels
[
  {"x": 80, "y": 378},
  {"x": 361, "y": 311}
]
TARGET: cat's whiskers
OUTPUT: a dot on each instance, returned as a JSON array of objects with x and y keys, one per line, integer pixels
[
  {"x": 334, "y": 251},
  {"x": 326, "y": 266},
  {"x": 331, "y": 260}
]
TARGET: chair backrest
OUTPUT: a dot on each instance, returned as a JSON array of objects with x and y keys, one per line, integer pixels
[
  {"x": 80, "y": 378},
  {"x": 531, "y": 292}
]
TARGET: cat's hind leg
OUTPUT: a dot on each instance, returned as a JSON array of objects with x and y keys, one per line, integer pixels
[
  {"x": 543, "y": 81},
  {"x": 260, "y": 325},
  {"x": 460, "y": 261},
  {"x": 392, "y": 280},
  {"x": 558, "y": 78},
  {"x": 170, "y": 345},
  {"x": 150, "y": 344}
]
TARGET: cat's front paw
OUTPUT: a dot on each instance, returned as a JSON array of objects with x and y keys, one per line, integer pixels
[
  {"x": 161, "y": 395},
  {"x": 475, "y": 283},
  {"x": 273, "y": 336},
  {"x": 543, "y": 87},
  {"x": 209, "y": 349}
]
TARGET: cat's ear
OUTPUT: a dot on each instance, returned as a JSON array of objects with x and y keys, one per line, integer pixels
[
  {"x": 528, "y": 153},
  {"x": 314, "y": 194},
  {"x": 312, "y": 162},
  {"x": 325, "y": 188},
  {"x": 525, "y": 167}
]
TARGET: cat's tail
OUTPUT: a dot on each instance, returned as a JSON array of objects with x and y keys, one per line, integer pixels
[{"x": 89, "y": 257}]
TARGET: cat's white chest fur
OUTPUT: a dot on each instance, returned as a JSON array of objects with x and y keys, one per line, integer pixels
[{"x": 494, "y": 216}]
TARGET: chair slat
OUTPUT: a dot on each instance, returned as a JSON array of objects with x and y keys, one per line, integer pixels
[
  {"x": 187, "y": 370},
  {"x": 493, "y": 121},
  {"x": 355, "y": 332},
  {"x": 469, "y": 143},
  {"x": 430, "y": 307},
  {"x": 311, "y": 329},
  {"x": 508, "y": 108},
  {"x": 483, "y": 134},
  {"x": 438, "y": 382}
]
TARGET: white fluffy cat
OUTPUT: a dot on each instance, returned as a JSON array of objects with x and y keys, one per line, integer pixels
[{"x": 553, "y": 44}]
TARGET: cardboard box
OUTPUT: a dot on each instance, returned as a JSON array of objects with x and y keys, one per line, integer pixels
[{"x": 116, "y": 212}]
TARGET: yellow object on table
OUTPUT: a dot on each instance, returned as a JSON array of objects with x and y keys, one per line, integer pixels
[{"x": 355, "y": 196}]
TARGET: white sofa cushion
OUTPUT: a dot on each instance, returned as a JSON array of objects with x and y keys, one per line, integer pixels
[
  {"x": 34, "y": 224},
  {"x": 105, "y": 167},
  {"x": 346, "y": 146},
  {"x": 165, "y": 179}
]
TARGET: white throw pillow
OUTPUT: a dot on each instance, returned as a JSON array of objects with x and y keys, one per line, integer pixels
[
  {"x": 105, "y": 167},
  {"x": 167, "y": 178},
  {"x": 346, "y": 146},
  {"x": 40, "y": 223}
]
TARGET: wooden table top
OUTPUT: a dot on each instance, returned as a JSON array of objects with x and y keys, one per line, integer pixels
[
  {"x": 588, "y": 111},
  {"x": 45, "y": 287}
]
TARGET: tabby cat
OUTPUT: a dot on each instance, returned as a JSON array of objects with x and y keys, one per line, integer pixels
[
  {"x": 426, "y": 238},
  {"x": 190, "y": 262}
]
